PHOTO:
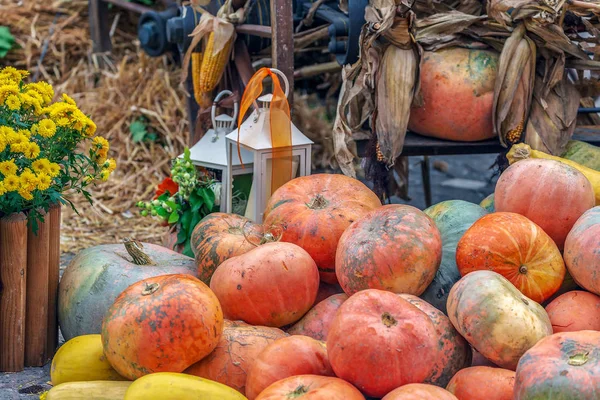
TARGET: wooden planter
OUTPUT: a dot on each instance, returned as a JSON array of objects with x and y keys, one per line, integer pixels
[{"x": 29, "y": 268}]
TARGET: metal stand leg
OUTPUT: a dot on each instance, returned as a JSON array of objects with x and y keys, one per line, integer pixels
[
  {"x": 426, "y": 180},
  {"x": 99, "y": 29}
]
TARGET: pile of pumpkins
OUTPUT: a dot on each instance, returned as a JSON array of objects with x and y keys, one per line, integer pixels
[{"x": 336, "y": 296}]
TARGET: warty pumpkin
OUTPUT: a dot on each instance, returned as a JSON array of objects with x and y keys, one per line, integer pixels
[
  {"x": 581, "y": 251},
  {"x": 313, "y": 387},
  {"x": 318, "y": 319}
]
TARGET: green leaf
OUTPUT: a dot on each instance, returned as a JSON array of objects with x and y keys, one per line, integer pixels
[
  {"x": 174, "y": 217},
  {"x": 182, "y": 236},
  {"x": 196, "y": 218},
  {"x": 187, "y": 250},
  {"x": 209, "y": 197},
  {"x": 138, "y": 131},
  {"x": 196, "y": 201},
  {"x": 172, "y": 204},
  {"x": 162, "y": 213},
  {"x": 185, "y": 220},
  {"x": 7, "y": 41}
]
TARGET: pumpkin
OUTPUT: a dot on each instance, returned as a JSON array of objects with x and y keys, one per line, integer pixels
[
  {"x": 395, "y": 248},
  {"x": 575, "y": 311},
  {"x": 238, "y": 348},
  {"x": 327, "y": 290},
  {"x": 496, "y": 318},
  {"x": 452, "y": 218},
  {"x": 568, "y": 285},
  {"x": 564, "y": 366},
  {"x": 290, "y": 356},
  {"x": 317, "y": 321},
  {"x": 311, "y": 387},
  {"x": 272, "y": 285},
  {"x": 97, "y": 275},
  {"x": 82, "y": 359},
  {"x": 457, "y": 87},
  {"x": 551, "y": 194},
  {"x": 583, "y": 153},
  {"x": 161, "y": 324},
  {"x": 488, "y": 203},
  {"x": 581, "y": 251},
  {"x": 419, "y": 391},
  {"x": 517, "y": 249},
  {"x": 315, "y": 210},
  {"x": 174, "y": 386},
  {"x": 454, "y": 353},
  {"x": 483, "y": 383},
  {"x": 218, "y": 237},
  {"x": 375, "y": 331},
  {"x": 93, "y": 390}
]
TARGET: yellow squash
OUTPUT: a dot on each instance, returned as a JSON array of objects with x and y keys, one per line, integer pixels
[
  {"x": 82, "y": 359},
  {"x": 172, "y": 386},
  {"x": 522, "y": 151},
  {"x": 96, "y": 390}
]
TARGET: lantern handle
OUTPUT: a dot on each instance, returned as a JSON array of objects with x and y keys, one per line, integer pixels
[
  {"x": 213, "y": 111},
  {"x": 285, "y": 80}
]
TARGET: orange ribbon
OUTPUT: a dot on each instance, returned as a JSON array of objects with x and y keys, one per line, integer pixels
[{"x": 281, "y": 126}]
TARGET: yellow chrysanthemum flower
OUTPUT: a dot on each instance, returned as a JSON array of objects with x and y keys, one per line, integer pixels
[
  {"x": 62, "y": 121},
  {"x": 90, "y": 128},
  {"x": 12, "y": 102},
  {"x": 104, "y": 175},
  {"x": 13, "y": 75},
  {"x": 43, "y": 88},
  {"x": 54, "y": 169},
  {"x": 8, "y": 168},
  {"x": 2, "y": 143},
  {"x": 2, "y": 188},
  {"x": 25, "y": 194},
  {"x": 28, "y": 180},
  {"x": 31, "y": 151},
  {"x": 5, "y": 131},
  {"x": 18, "y": 147},
  {"x": 8, "y": 90},
  {"x": 67, "y": 99},
  {"x": 46, "y": 128},
  {"x": 41, "y": 166},
  {"x": 44, "y": 181},
  {"x": 88, "y": 179},
  {"x": 11, "y": 183},
  {"x": 110, "y": 165},
  {"x": 24, "y": 132}
]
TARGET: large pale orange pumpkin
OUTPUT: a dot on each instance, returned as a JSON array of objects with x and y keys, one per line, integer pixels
[
  {"x": 581, "y": 251},
  {"x": 454, "y": 353},
  {"x": 317, "y": 321},
  {"x": 379, "y": 341},
  {"x": 274, "y": 284},
  {"x": 483, "y": 383},
  {"x": 396, "y": 248},
  {"x": 311, "y": 387},
  {"x": 289, "y": 356},
  {"x": 575, "y": 311},
  {"x": 419, "y": 391},
  {"x": 457, "y": 86},
  {"x": 315, "y": 210},
  {"x": 161, "y": 324},
  {"x": 238, "y": 348},
  {"x": 551, "y": 194},
  {"x": 517, "y": 249},
  {"x": 220, "y": 236}
]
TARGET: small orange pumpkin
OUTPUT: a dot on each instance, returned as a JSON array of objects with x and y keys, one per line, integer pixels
[
  {"x": 419, "y": 391},
  {"x": 483, "y": 383}
]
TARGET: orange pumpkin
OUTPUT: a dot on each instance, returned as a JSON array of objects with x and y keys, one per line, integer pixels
[
  {"x": 396, "y": 248},
  {"x": 575, "y": 311},
  {"x": 272, "y": 285},
  {"x": 483, "y": 383},
  {"x": 161, "y": 324},
  {"x": 419, "y": 391},
  {"x": 315, "y": 210},
  {"x": 220, "y": 236},
  {"x": 238, "y": 348},
  {"x": 317, "y": 321},
  {"x": 517, "y": 249},
  {"x": 311, "y": 387},
  {"x": 551, "y": 194},
  {"x": 564, "y": 366},
  {"x": 376, "y": 331},
  {"x": 454, "y": 353},
  {"x": 457, "y": 86},
  {"x": 581, "y": 251},
  {"x": 290, "y": 356}
]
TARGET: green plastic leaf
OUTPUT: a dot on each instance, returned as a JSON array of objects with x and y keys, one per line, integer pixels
[
  {"x": 209, "y": 197},
  {"x": 7, "y": 41},
  {"x": 185, "y": 220},
  {"x": 196, "y": 201},
  {"x": 138, "y": 131},
  {"x": 174, "y": 217}
]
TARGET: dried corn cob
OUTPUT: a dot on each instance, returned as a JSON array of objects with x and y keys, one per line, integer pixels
[
  {"x": 196, "y": 74},
  {"x": 213, "y": 65}
]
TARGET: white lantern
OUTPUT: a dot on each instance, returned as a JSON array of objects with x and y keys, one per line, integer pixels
[
  {"x": 255, "y": 138},
  {"x": 210, "y": 152}
]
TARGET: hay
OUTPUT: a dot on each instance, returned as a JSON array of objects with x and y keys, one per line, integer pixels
[{"x": 129, "y": 85}]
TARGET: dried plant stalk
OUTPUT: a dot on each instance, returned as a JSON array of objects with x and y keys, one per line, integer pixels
[
  {"x": 514, "y": 86},
  {"x": 395, "y": 90}
]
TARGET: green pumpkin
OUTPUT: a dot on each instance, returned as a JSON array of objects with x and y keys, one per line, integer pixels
[
  {"x": 583, "y": 153},
  {"x": 488, "y": 203},
  {"x": 453, "y": 218}
]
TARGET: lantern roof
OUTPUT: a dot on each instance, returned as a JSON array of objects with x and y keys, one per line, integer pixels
[{"x": 211, "y": 149}]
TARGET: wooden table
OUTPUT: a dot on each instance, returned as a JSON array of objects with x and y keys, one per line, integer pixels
[{"x": 417, "y": 145}]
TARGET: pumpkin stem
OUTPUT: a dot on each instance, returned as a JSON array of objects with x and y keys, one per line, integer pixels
[
  {"x": 273, "y": 234},
  {"x": 149, "y": 288},
  {"x": 300, "y": 391},
  {"x": 388, "y": 320},
  {"x": 518, "y": 152},
  {"x": 134, "y": 249},
  {"x": 579, "y": 359},
  {"x": 523, "y": 269},
  {"x": 318, "y": 203}
]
